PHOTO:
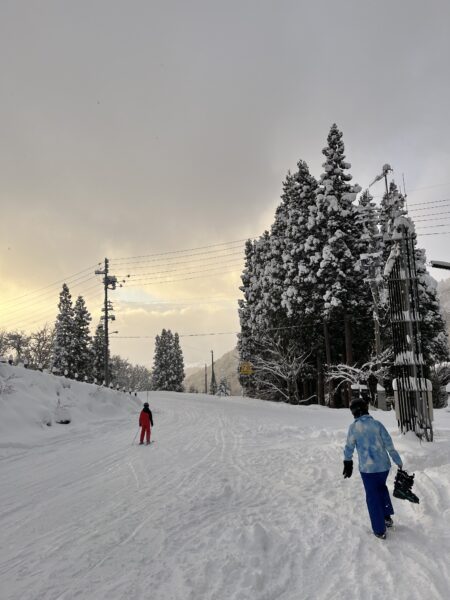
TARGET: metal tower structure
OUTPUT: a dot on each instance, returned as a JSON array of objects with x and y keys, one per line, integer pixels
[{"x": 413, "y": 396}]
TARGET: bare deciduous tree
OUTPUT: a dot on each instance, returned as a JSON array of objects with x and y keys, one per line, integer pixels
[{"x": 277, "y": 369}]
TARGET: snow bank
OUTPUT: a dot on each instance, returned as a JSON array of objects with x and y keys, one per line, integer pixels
[{"x": 29, "y": 404}]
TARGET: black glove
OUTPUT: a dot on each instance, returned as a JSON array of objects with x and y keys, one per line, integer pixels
[{"x": 348, "y": 468}]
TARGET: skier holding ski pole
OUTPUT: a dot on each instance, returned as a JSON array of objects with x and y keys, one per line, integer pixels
[
  {"x": 145, "y": 422},
  {"x": 374, "y": 445}
]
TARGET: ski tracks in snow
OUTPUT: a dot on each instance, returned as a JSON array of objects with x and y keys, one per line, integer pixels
[{"x": 238, "y": 500}]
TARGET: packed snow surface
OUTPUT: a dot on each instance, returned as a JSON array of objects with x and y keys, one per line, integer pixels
[{"x": 237, "y": 499}]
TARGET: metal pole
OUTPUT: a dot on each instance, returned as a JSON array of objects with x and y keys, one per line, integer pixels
[{"x": 106, "y": 324}]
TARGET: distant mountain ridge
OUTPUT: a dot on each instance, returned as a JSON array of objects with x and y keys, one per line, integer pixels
[{"x": 225, "y": 366}]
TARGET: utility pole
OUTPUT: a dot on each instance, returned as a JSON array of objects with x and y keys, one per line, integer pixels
[
  {"x": 109, "y": 283},
  {"x": 374, "y": 266},
  {"x": 213, "y": 386},
  {"x": 206, "y": 379}
]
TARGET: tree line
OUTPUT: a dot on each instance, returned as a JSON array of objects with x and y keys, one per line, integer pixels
[
  {"x": 68, "y": 348},
  {"x": 313, "y": 284}
]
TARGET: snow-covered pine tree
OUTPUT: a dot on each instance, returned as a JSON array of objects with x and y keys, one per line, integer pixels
[
  {"x": 277, "y": 286},
  {"x": 300, "y": 242},
  {"x": 252, "y": 313},
  {"x": 370, "y": 251},
  {"x": 340, "y": 287},
  {"x": 213, "y": 384},
  {"x": 168, "y": 364},
  {"x": 160, "y": 361},
  {"x": 82, "y": 339},
  {"x": 63, "y": 346},
  {"x": 245, "y": 343},
  {"x": 392, "y": 206},
  {"x": 224, "y": 388},
  {"x": 178, "y": 365},
  {"x": 98, "y": 353},
  {"x": 432, "y": 327},
  {"x": 300, "y": 266}
]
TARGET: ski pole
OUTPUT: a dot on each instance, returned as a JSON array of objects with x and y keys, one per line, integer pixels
[{"x": 132, "y": 443}]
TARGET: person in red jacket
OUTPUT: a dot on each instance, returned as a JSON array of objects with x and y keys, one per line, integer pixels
[{"x": 146, "y": 423}]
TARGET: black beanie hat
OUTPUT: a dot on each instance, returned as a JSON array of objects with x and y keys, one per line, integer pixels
[{"x": 359, "y": 407}]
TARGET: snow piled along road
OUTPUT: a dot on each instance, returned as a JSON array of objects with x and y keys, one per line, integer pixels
[{"x": 237, "y": 499}]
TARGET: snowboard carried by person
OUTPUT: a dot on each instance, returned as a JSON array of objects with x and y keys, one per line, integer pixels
[
  {"x": 374, "y": 446},
  {"x": 146, "y": 423}
]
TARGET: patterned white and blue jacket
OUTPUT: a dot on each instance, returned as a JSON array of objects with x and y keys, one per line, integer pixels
[{"x": 373, "y": 443}]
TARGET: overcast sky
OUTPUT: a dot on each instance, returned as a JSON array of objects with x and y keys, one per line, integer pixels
[{"x": 137, "y": 128}]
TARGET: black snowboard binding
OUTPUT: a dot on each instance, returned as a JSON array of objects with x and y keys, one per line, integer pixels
[{"x": 403, "y": 486}]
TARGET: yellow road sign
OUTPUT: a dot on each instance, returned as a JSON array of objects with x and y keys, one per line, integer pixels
[{"x": 246, "y": 368}]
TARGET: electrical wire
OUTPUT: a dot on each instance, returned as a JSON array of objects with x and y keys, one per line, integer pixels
[
  {"x": 160, "y": 281},
  {"x": 128, "y": 258},
  {"x": 431, "y": 226},
  {"x": 289, "y": 327},
  {"x": 167, "y": 260},
  {"x": 416, "y": 210},
  {"x": 428, "y": 202},
  {"x": 189, "y": 262},
  {"x": 60, "y": 282},
  {"x": 175, "y": 272},
  {"x": 39, "y": 315}
]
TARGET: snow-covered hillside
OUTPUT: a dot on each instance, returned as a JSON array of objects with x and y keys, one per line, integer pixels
[
  {"x": 225, "y": 366},
  {"x": 236, "y": 499}
]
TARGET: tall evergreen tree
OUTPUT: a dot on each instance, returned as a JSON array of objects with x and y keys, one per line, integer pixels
[
  {"x": 252, "y": 310},
  {"x": 168, "y": 365},
  {"x": 370, "y": 251},
  {"x": 98, "y": 353},
  {"x": 178, "y": 364},
  {"x": 82, "y": 339},
  {"x": 432, "y": 326},
  {"x": 341, "y": 289},
  {"x": 63, "y": 348},
  {"x": 277, "y": 281}
]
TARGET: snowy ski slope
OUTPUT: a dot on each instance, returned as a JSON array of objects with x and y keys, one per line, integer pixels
[{"x": 237, "y": 499}]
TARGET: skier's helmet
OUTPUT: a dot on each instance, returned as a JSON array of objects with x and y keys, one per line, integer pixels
[
  {"x": 359, "y": 407},
  {"x": 145, "y": 404}
]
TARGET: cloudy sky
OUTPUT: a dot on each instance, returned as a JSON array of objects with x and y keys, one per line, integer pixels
[{"x": 157, "y": 133}]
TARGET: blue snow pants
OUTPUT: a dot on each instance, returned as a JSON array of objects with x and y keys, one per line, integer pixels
[{"x": 378, "y": 499}]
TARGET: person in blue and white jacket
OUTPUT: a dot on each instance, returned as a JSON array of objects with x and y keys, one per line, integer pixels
[{"x": 374, "y": 446}]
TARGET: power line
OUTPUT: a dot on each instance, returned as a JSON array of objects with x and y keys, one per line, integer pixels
[
  {"x": 179, "y": 271},
  {"x": 28, "y": 303},
  {"x": 435, "y": 233},
  {"x": 428, "y": 202},
  {"x": 40, "y": 315},
  {"x": 422, "y": 217},
  {"x": 161, "y": 280},
  {"x": 178, "y": 251},
  {"x": 300, "y": 326},
  {"x": 60, "y": 282},
  {"x": 167, "y": 259},
  {"x": 180, "y": 303},
  {"x": 189, "y": 262},
  {"x": 431, "y": 226},
  {"x": 416, "y": 210}
]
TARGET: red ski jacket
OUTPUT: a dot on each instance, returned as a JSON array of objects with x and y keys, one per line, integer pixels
[{"x": 145, "y": 419}]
